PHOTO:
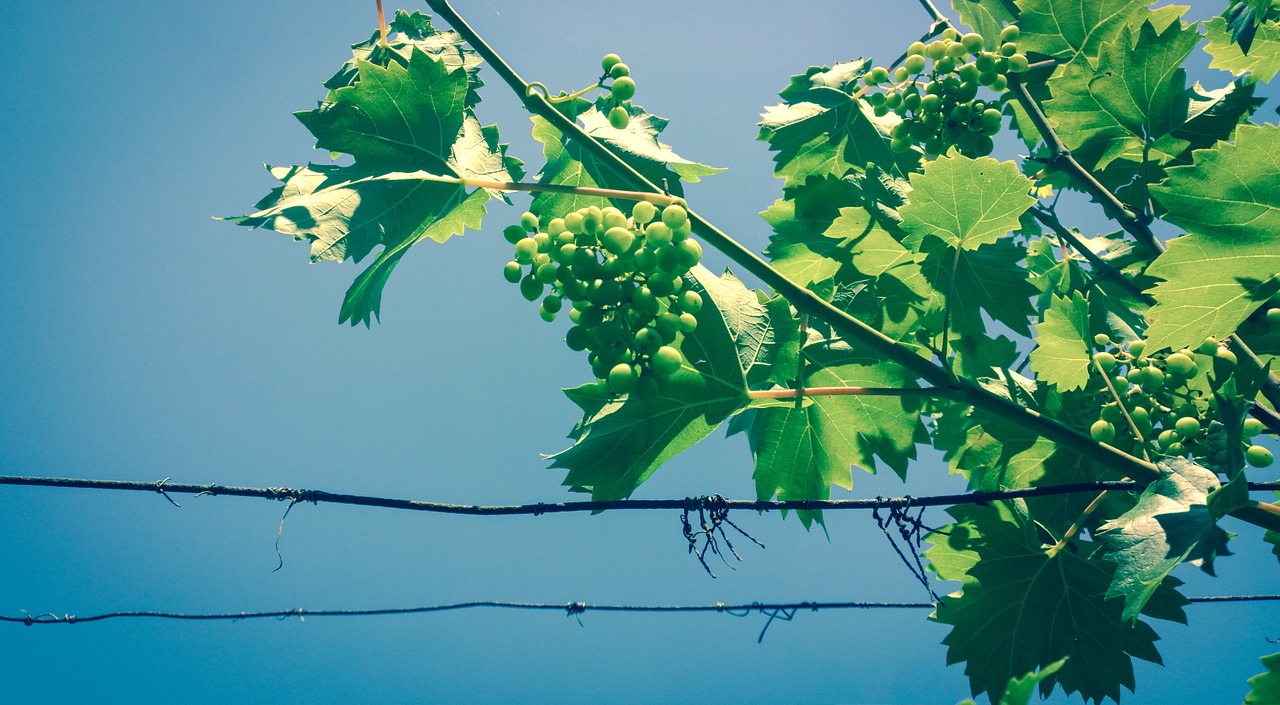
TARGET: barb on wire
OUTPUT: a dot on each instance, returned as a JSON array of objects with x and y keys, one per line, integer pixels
[
  {"x": 713, "y": 514},
  {"x": 160, "y": 487}
]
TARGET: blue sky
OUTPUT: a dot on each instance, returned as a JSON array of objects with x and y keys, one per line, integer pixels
[{"x": 145, "y": 340}]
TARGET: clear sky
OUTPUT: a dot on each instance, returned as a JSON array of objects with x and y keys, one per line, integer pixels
[{"x": 144, "y": 340}]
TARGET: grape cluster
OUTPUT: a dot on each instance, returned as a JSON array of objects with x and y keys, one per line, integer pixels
[
  {"x": 1158, "y": 401},
  {"x": 620, "y": 91},
  {"x": 623, "y": 279},
  {"x": 939, "y": 107}
]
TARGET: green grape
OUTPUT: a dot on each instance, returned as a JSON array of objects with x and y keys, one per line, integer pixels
[
  {"x": 657, "y": 234},
  {"x": 972, "y": 42},
  {"x": 1018, "y": 63},
  {"x": 644, "y": 261},
  {"x": 548, "y": 316},
  {"x": 1167, "y": 438},
  {"x": 647, "y": 341},
  {"x": 689, "y": 253},
  {"x": 644, "y": 302},
  {"x": 998, "y": 84},
  {"x": 1102, "y": 431},
  {"x": 529, "y": 222},
  {"x": 931, "y": 103},
  {"x": 878, "y": 75},
  {"x": 564, "y": 254},
  {"x": 1176, "y": 449},
  {"x": 690, "y": 302},
  {"x": 1273, "y": 316},
  {"x": 543, "y": 241},
  {"x": 619, "y": 70},
  {"x": 950, "y": 34},
  {"x": 609, "y": 61},
  {"x": 619, "y": 118},
  {"x": 553, "y": 304},
  {"x": 991, "y": 117},
  {"x": 935, "y": 50},
  {"x": 1181, "y": 363},
  {"x": 1009, "y": 34},
  {"x": 512, "y": 272},
  {"x": 1136, "y": 348},
  {"x": 900, "y": 145},
  {"x": 914, "y": 63},
  {"x": 915, "y": 49},
  {"x": 1152, "y": 377},
  {"x": 944, "y": 65},
  {"x": 674, "y": 216},
  {"x": 957, "y": 51},
  {"x": 666, "y": 331},
  {"x": 985, "y": 63},
  {"x": 1258, "y": 457},
  {"x": 622, "y": 378},
  {"x": 623, "y": 88},
  {"x": 1105, "y": 360},
  {"x": 1187, "y": 426},
  {"x": 643, "y": 212},
  {"x": 574, "y": 223},
  {"x": 1226, "y": 356},
  {"x": 1253, "y": 427},
  {"x": 687, "y": 323},
  {"x": 577, "y": 338},
  {"x": 546, "y": 273},
  {"x": 617, "y": 240},
  {"x": 526, "y": 249},
  {"x": 667, "y": 361},
  {"x": 900, "y": 74},
  {"x": 1008, "y": 49},
  {"x": 1111, "y": 412},
  {"x": 556, "y": 226},
  {"x": 531, "y": 288},
  {"x": 513, "y": 234},
  {"x": 1141, "y": 418}
]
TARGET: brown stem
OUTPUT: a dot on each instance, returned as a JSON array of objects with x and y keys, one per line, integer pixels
[
  {"x": 382, "y": 24},
  {"x": 848, "y": 391}
]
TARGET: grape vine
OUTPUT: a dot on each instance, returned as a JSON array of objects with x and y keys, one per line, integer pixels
[{"x": 920, "y": 292}]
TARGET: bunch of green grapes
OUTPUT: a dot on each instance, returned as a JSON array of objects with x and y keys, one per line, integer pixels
[
  {"x": 939, "y": 105},
  {"x": 624, "y": 281},
  {"x": 620, "y": 91},
  {"x": 1158, "y": 401}
]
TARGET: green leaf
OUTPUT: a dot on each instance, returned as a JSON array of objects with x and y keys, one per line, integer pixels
[
  {"x": 971, "y": 282},
  {"x": 1263, "y": 59},
  {"x": 1134, "y": 92},
  {"x": 1064, "y": 28},
  {"x": 1229, "y": 262},
  {"x": 821, "y": 129},
  {"x": 1063, "y": 353},
  {"x": 410, "y": 127},
  {"x": 620, "y": 442},
  {"x": 1170, "y": 520},
  {"x": 801, "y": 246},
  {"x": 1265, "y": 686},
  {"x": 570, "y": 163},
  {"x": 965, "y": 202},
  {"x": 1020, "y": 690},
  {"x": 1023, "y": 607},
  {"x": 1214, "y": 115}
]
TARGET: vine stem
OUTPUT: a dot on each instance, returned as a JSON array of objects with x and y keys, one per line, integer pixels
[
  {"x": 1102, "y": 270},
  {"x": 802, "y": 392},
  {"x": 1075, "y": 528},
  {"x": 806, "y": 301},
  {"x": 382, "y": 24},
  {"x": 656, "y": 198}
]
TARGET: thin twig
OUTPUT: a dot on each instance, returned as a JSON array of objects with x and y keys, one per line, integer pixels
[
  {"x": 1102, "y": 270},
  {"x": 800, "y": 393},
  {"x": 382, "y": 24}
]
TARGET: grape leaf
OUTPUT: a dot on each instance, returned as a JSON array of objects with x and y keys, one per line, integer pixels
[
  {"x": 971, "y": 282},
  {"x": 1167, "y": 525},
  {"x": 965, "y": 202},
  {"x": 403, "y": 123},
  {"x": 801, "y": 248},
  {"x": 1214, "y": 115},
  {"x": 1020, "y": 689},
  {"x": 1263, "y": 59},
  {"x": 1064, "y": 348},
  {"x": 1064, "y": 28},
  {"x": 1229, "y": 262},
  {"x": 1265, "y": 687},
  {"x": 620, "y": 442},
  {"x": 569, "y": 163},
  {"x": 823, "y": 129},
  {"x": 1023, "y": 607},
  {"x": 1134, "y": 92}
]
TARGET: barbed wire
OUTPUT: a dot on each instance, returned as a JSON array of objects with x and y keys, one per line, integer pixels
[{"x": 692, "y": 504}]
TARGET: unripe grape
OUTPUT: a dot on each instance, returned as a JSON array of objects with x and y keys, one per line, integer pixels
[
  {"x": 900, "y": 74},
  {"x": 878, "y": 75},
  {"x": 936, "y": 50},
  {"x": 543, "y": 241},
  {"x": 1225, "y": 355},
  {"x": 526, "y": 249},
  {"x": 998, "y": 84},
  {"x": 553, "y": 304},
  {"x": 619, "y": 118},
  {"x": 546, "y": 273},
  {"x": 1273, "y": 316},
  {"x": 1018, "y": 63},
  {"x": 643, "y": 212},
  {"x": 674, "y": 216},
  {"x": 972, "y": 42},
  {"x": 623, "y": 88},
  {"x": 945, "y": 65},
  {"x": 577, "y": 338},
  {"x": 991, "y": 117},
  {"x": 1102, "y": 431},
  {"x": 1009, "y": 34},
  {"x": 657, "y": 234},
  {"x": 687, "y": 323},
  {"x": 1152, "y": 377},
  {"x": 689, "y": 253},
  {"x": 647, "y": 341},
  {"x": 915, "y": 49},
  {"x": 644, "y": 302},
  {"x": 1258, "y": 457},
  {"x": 544, "y": 314},
  {"x": 690, "y": 302},
  {"x": 931, "y": 103},
  {"x": 609, "y": 61},
  {"x": 1176, "y": 448},
  {"x": 1187, "y": 426},
  {"x": 512, "y": 272},
  {"x": 513, "y": 234},
  {"x": 667, "y": 361},
  {"x": 950, "y": 34},
  {"x": 1253, "y": 427},
  {"x": 957, "y": 51},
  {"x": 531, "y": 288},
  {"x": 644, "y": 261},
  {"x": 985, "y": 62},
  {"x": 619, "y": 70},
  {"x": 1008, "y": 49},
  {"x": 564, "y": 254},
  {"x": 1167, "y": 438},
  {"x": 1102, "y": 340},
  {"x": 914, "y": 63},
  {"x": 1111, "y": 412},
  {"x": 1181, "y": 364},
  {"x": 617, "y": 240},
  {"x": 900, "y": 145},
  {"x": 622, "y": 378}
]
